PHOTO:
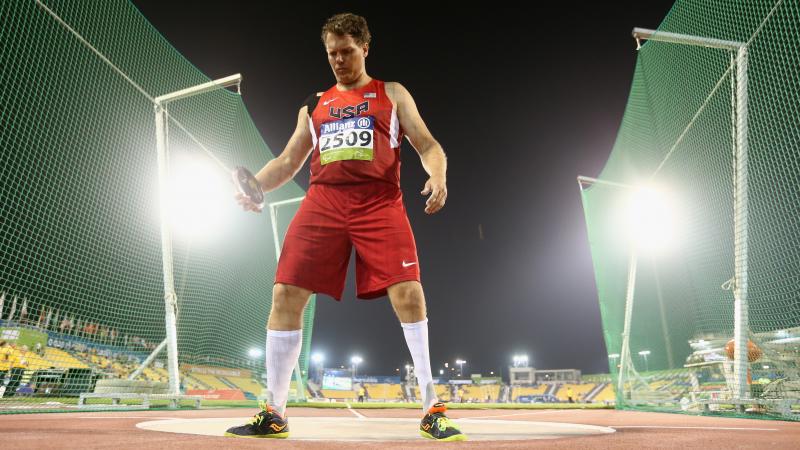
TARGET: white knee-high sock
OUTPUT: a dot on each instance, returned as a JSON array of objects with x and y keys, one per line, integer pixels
[
  {"x": 417, "y": 339},
  {"x": 283, "y": 348}
]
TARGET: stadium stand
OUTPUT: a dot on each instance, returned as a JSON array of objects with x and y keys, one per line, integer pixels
[
  {"x": 519, "y": 391},
  {"x": 211, "y": 381},
  {"x": 247, "y": 385},
  {"x": 479, "y": 393},
  {"x": 63, "y": 360},
  {"x": 606, "y": 395},
  {"x": 579, "y": 391},
  {"x": 338, "y": 395},
  {"x": 384, "y": 391}
]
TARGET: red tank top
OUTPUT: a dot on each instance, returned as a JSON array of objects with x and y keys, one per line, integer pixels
[{"x": 356, "y": 137}]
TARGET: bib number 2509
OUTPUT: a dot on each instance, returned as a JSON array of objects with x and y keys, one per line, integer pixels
[{"x": 347, "y": 139}]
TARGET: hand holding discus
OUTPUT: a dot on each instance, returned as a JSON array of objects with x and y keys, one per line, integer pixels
[{"x": 248, "y": 190}]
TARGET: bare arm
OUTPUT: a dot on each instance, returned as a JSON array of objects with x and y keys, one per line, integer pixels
[
  {"x": 430, "y": 151},
  {"x": 280, "y": 170}
]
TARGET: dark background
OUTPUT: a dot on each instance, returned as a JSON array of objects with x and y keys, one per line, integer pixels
[{"x": 522, "y": 98}]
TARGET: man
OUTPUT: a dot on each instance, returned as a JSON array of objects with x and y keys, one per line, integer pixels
[
  {"x": 362, "y": 393},
  {"x": 353, "y": 132}
]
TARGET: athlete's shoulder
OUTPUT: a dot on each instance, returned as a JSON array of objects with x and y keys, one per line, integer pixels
[
  {"x": 396, "y": 91},
  {"x": 312, "y": 101}
]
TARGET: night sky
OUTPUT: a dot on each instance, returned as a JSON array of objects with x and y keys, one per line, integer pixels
[{"x": 521, "y": 102}]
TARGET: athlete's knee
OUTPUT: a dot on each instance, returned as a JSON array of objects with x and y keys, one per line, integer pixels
[
  {"x": 408, "y": 298},
  {"x": 288, "y": 300}
]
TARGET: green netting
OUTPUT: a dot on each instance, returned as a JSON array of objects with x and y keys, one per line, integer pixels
[
  {"x": 679, "y": 134},
  {"x": 81, "y": 273}
]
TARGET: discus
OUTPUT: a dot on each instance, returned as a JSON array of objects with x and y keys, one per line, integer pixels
[{"x": 248, "y": 186}]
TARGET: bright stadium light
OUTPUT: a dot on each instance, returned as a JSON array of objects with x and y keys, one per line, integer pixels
[
  {"x": 460, "y": 363},
  {"x": 318, "y": 359},
  {"x": 254, "y": 352},
  {"x": 651, "y": 218},
  {"x": 644, "y": 354},
  {"x": 441, "y": 371},
  {"x": 199, "y": 196},
  {"x": 356, "y": 360}
]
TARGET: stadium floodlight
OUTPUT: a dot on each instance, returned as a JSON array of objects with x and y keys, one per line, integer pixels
[
  {"x": 651, "y": 218},
  {"x": 356, "y": 360},
  {"x": 198, "y": 195},
  {"x": 460, "y": 363},
  {"x": 644, "y": 354},
  {"x": 318, "y": 359},
  {"x": 254, "y": 352},
  {"x": 441, "y": 371}
]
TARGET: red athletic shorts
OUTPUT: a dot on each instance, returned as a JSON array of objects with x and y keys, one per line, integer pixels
[{"x": 334, "y": 218}]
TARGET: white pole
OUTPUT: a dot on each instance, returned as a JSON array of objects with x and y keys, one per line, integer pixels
[
  {"x": 135, "y": 374},
  {"x": 740, "y": 311},
  {"x": 170, "y": 299},
  {"x": 625, "y": 351},
  {"x": 741, "y": 325},
  {"x": 200, "y": 89},
  {"x": 162, "y": 147},
  {"x": 663, "y": 313}
]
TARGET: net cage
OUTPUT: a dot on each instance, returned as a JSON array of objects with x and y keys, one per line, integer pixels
[
  {"x": 83, "y": 261},
  {"x": 694, "y": 222}
]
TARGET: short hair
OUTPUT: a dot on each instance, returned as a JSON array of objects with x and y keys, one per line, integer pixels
[{"x": 347, "y": 23}]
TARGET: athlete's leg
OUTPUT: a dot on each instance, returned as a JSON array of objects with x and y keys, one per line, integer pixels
[
  {"x": 284, "y": 340},
  {"x": 408, "y": 301}
]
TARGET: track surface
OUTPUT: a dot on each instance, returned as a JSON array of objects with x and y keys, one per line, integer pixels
[{"x": 635, "y": 430}]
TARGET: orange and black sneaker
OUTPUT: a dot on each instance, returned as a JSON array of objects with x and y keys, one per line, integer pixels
[
  {"x": 266, "y": 424},
  {"x": 435, "y": 425}
]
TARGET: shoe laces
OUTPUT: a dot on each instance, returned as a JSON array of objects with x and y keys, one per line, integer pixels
[
  {"x": 259, "y": 416},
  {"x": 443, "y": 423}
]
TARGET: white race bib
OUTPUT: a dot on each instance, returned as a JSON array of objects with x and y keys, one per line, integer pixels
[{"x": 347, "y": 139}]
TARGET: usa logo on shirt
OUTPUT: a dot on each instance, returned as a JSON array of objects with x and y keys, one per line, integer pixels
[{"x": 370, "y": 95}]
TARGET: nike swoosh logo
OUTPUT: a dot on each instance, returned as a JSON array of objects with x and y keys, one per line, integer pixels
[
  {"x": 405, "y": 264},
  {"x": 330, "y": 101}
]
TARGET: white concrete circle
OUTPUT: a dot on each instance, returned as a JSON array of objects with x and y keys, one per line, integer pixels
[{"x": 383, "y": 429}]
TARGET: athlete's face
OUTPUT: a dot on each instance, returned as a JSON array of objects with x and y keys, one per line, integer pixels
[{"x": 346, "y": 57}]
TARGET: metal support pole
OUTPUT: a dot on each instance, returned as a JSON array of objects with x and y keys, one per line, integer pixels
[
  {"x": 147, "y": 361},
  {"x": 170, "y": 299},
  {"x": 625, "y": 351},
  {"x": 663, "y": 313},
  {"x": 740, "y": 313},
  {"x": 162, "y": 148}
]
